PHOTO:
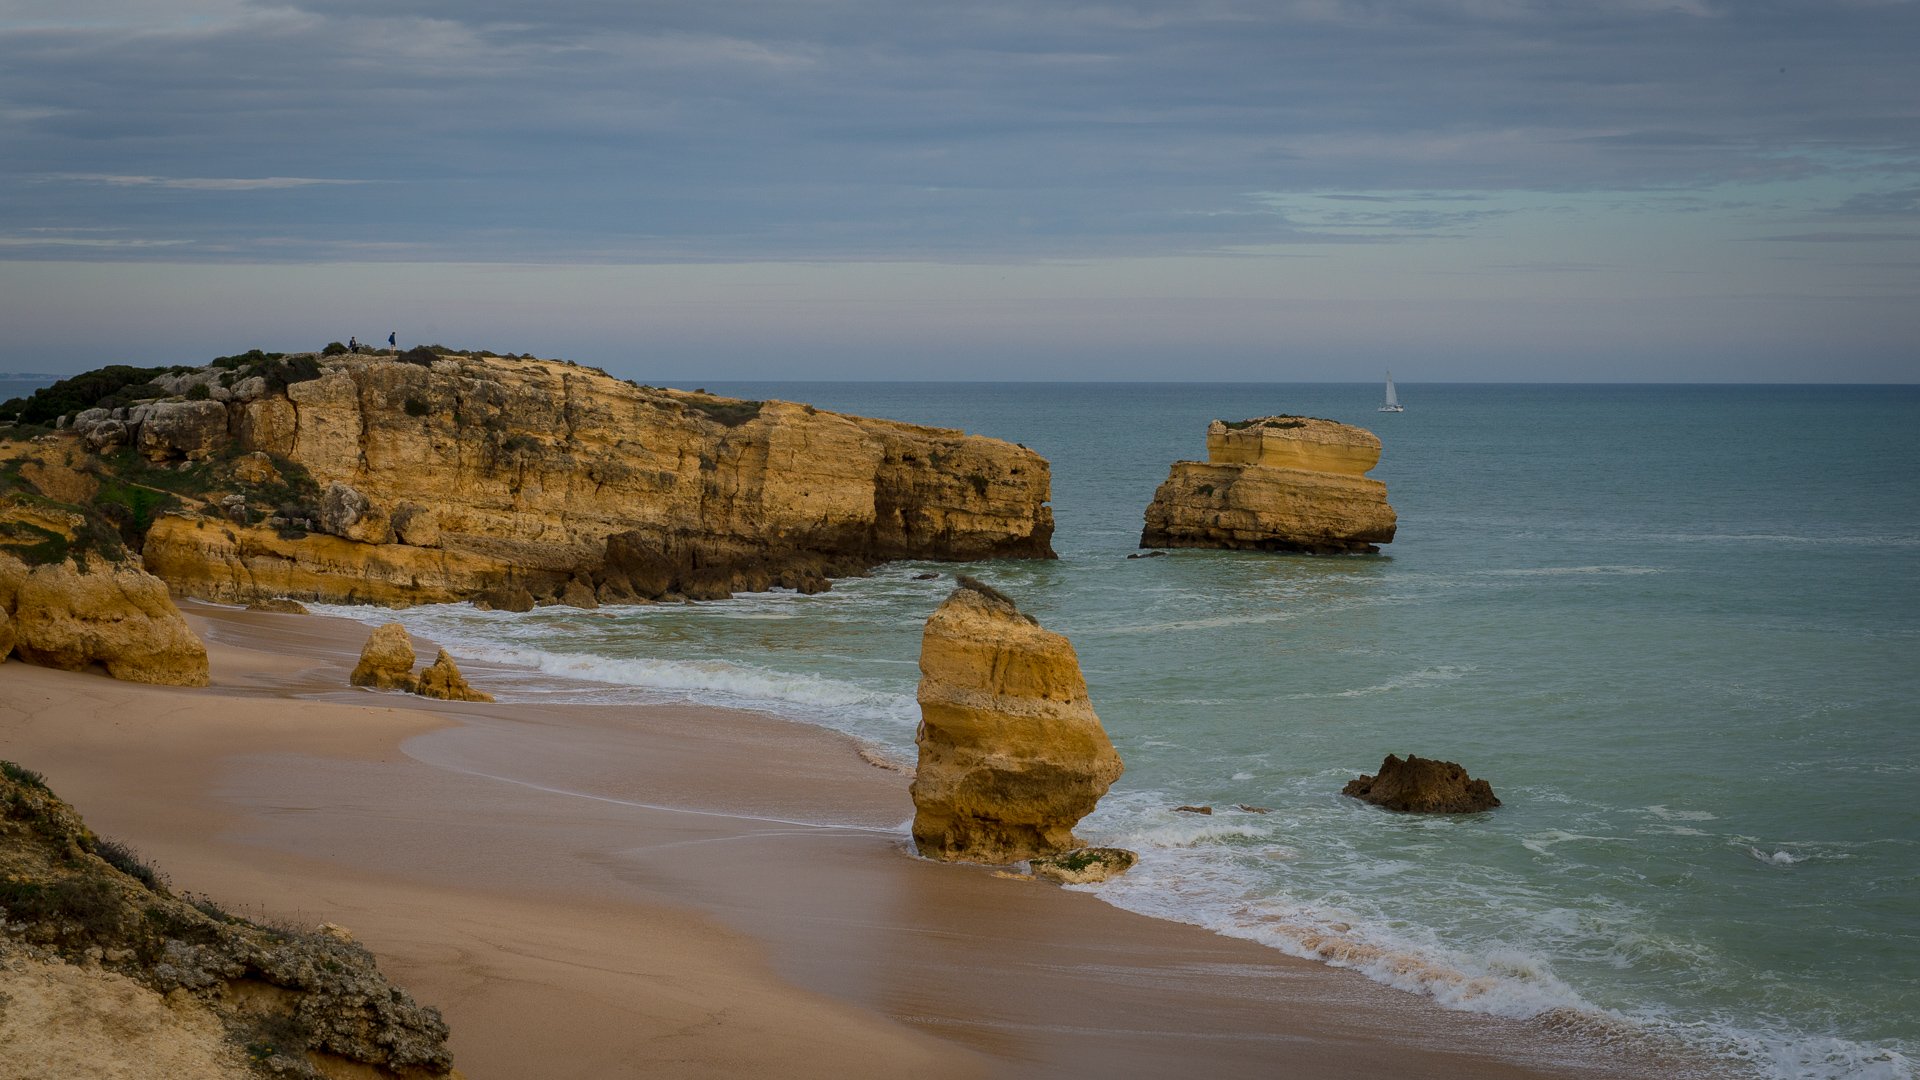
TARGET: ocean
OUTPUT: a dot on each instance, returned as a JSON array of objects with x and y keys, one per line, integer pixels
[{"x": 1677, "y": 628}]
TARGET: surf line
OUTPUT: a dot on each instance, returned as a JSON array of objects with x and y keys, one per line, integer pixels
[{"x": 825, "y": 826}]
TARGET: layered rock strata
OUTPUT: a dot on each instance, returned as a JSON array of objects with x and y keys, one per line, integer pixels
[
  {"x": 474, "y": 476},
  {"x": 1420, "y": 785},
  {"x": 1278, "y": 483},
  {"x": 1011, "y": 755}
]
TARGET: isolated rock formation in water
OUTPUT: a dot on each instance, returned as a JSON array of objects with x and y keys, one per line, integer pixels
[
  {"x": 105, "y": 972},
  {"x": 1278, "y": 483},
  {"x": 1420, "y": 785},
  {"x": 1011, "y": 753},
  {"x": 443, "y": 680},
  {"x": 425, "y": 479},
  {"x": 386, "y": 662}
]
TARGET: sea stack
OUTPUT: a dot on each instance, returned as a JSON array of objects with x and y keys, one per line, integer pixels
[
  {"x": 1420, "y": 785},
  {"x": 1276, "y": 483},
  {"x": 1011, "y": 753}
]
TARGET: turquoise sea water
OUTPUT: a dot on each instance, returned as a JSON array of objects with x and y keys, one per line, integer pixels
[{"x": 1678, "y": 628}]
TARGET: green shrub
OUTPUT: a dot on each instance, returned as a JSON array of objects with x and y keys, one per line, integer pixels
[
  {"x": 333, "y": 348},
  {"x": 23, "y": 776},
  {"x": 198, "y": 392},
  {"x": 422, "y": 355},
  {"x": 87, "y": 390},
  {"x": 124, "y": 859}
]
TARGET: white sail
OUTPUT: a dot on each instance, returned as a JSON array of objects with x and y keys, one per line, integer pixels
[{"x": 1393, "y": 400}]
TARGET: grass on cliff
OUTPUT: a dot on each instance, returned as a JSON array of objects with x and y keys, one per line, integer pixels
[{"x": 37, "y": 545}]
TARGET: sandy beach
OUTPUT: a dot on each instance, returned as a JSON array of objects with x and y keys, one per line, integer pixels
[{"x": 604, "y": 892}]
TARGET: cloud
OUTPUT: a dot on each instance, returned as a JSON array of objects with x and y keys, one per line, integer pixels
[
  {"x": 598, "y": 129},
  {"x": 261, "y": 183},
  {"x": 1839, "y": 238}
]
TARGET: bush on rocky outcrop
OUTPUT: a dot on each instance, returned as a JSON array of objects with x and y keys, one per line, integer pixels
[{"x": 86, "y": 390}]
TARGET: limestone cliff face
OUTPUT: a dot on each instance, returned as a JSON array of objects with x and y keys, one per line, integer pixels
[
  {"x": 1279, "y": 483},
  {"x": 472, "y": 475},
  {"x": 1011, "y": 753}
]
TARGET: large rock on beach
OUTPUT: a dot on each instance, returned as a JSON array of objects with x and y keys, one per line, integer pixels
[
  {"x": 1420, "y": 785},
  {"x": 386, "y": 663},
  {"x": 443, "y": 680},
  {"x": 75, "y": 615},
  {"x": 465, "y": 476},
  {"x": 1277, "y": 483},
  {"x": 1011, "y": 755}
]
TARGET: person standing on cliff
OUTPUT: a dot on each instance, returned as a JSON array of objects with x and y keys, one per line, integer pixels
[{"x": 390, "y": 334}]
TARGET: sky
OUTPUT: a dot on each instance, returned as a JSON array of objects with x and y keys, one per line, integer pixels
[{"x": 1272, "y": 190}]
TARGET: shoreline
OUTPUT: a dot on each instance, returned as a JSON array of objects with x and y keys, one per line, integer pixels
[{"x": 609, "y": 890}]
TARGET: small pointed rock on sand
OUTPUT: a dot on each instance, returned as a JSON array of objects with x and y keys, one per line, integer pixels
[{"x": 443, "y": 680}]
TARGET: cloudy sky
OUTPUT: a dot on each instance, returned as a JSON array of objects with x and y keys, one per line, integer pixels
[{"x": 1535, "y": 190}]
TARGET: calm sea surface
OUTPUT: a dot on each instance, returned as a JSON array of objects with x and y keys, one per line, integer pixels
[{"x": 1678, "y": 628}]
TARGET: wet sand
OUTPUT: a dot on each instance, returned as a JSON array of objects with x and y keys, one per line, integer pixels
[{"x": 592, "y": 891}]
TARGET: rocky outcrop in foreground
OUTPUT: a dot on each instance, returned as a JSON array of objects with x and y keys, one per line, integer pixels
[
  {"x": 1420, "y": 785},
  {"x": 104, "y": 971},
  {"x": 432, "y": 478},
  {"x": 1011, "y": 753},
  {"x": 1278, "y": 483}
]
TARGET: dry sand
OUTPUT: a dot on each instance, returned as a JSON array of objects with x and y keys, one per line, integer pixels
[{"x": 602, "y": 892}]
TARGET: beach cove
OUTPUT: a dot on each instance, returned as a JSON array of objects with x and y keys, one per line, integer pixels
[{"x": 601, "y": 892}]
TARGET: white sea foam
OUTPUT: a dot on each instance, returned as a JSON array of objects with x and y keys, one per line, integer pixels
[
  {"x": 878, "y": 714},
  {"x": 1433, "y": 676},
  {"x": 1776, "y": 858}
]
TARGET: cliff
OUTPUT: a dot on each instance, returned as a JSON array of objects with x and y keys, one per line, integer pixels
[
  {"x": 1278, "y": 483},
  {"x": 105, "y": 972},
  {"x": 1011, "y": 753},
  {"x": 429, "y": 478}
]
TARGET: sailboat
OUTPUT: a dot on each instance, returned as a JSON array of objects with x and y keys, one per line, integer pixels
[{"x": 1393, "y": 401}]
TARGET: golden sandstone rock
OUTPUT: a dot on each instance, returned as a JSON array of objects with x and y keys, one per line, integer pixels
[
  {"x": 443, "y": 680},
  {"x": 116, "y": 615},
  {"x": 473, "y": 475},
  {"x": 386, "y": 663},
  {"x": 1011, "y": 753},
  {"x": 1278, "y": 483}
]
